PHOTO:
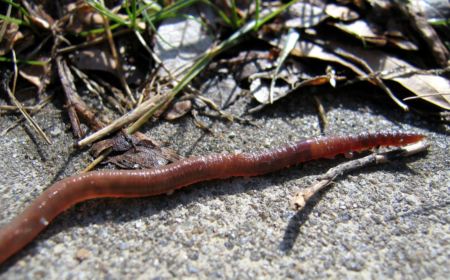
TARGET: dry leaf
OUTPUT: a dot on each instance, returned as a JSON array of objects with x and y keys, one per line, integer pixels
[
  {"x": 140, "y": 152},
  {"x": 223, "y": 91},
  {"x": 187, "y": 38},
  {"x": 361, "y": 30},
  {"x": 341, "y": 12},
  {"x": 95, "y": 59},
  {"x": 35, "y": 73},
  {"x": 142, "y": 157},
  {"x": 419, "y": 84},
  {"x": 178, "y": 109},
  {"x": 12, "y": 34},
  {"x": 37, "y": 14},
  {"x": 84, "y": 18},
  {"x": 302, "y": 15},
  {"x": 418, "y": 21}
]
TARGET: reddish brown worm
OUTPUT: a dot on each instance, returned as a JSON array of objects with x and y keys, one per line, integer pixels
[{"x": 129, "y": 183}]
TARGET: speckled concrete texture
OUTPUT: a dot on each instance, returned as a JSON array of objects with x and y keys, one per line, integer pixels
[{"x": 385, "y": 221}]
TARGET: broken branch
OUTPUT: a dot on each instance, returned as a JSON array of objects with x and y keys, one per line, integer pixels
[{"x": 299, "y": 202}]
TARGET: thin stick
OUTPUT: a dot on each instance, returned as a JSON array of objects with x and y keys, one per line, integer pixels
[
  {"x": 299, "y": 202},
  {"x": 124, "y": 120},
  {"x": 91, "y": 43},
  {"x": 27, "y": 116},
  {"x": 34, "y": 111},
  {"x": 154, "y": 56},
  {"x": 321, "y": 110},
  {"x": 97, "y": 160},
  {"x": 15, "y": 108},
  {"x": 426, "y": 95},
  {"x": 119, "y": 68},
  {"x": 19, "y": 106}
]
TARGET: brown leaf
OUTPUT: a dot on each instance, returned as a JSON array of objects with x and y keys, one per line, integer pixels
[
  {"x": 178, "y": 109},
  {"x": 303, "y": 15},
  {"x": 99, "y": 59},
  {"x": 372, "y": 61},
  {"x": 418, "y": 21},
  {"x": 223, "y": 91},
  {"x": 362, "y": 30},
  {"x": 309, "y": 49},
  {"x": 403, "y": 44},
  {"x": 142, "y": 157},
  {"x": 368, "y": 61},
  {"x": 83, "y": 18},
  {"x": 35, "y": 73},
  {"x": 419, "y": 84},
  {"x": 37, "y": 14},
  {"x": 140, "y": 151},
  {"x": 120, "y": 143},
  {"x": 12, "y": 34}
]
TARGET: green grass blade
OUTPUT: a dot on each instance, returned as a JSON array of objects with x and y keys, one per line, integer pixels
[
  {"x": 99, "y": 30},
  {"x": 14, "y": 20},
  {"x": 235, "y": 39},
  {"x": 133, "y": 13},
  {"x": 142, "y": 7},
  {"x": 219, "y": 12},
  {"x": 18, "y": 7},
  {"x": 107, "y": 13},
  {"x": 152, "y": 26},
  {"x": 235, "y": 17},
  {"x": 172, "y": 9},
  {"x": 193, "y": 18},
  {"x": 256, "y": 13},
  {"x": 274, "y": 14},
  {"x": 31, "y": 62},
  {"x": 186, "y": 79}
]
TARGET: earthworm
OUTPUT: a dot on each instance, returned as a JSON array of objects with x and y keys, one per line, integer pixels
[{"x": 129, "y": 183}]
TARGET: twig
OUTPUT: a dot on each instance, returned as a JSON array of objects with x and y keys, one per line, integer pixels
[
  {"x": 215, "y": 107},
  {"x": 67, "y": 83},
  {"x": 97, "y": 160},
  {"x": 119, "y": 68},
  {"x": 352, "y": 58},
  {"x": 426, "y": 95},
  {"x": 398, "y": 72},
  {"x": 320, "y": 109},
  {"x": 28, "y": 117},
  {"x": 303, "y": 196},
  {"x": 154, "y": 56},
  {"x": 126, "y": 119},
  {"x": 5, "y": 24},
  {"x": 34, "y": 111},
  {"x": 75, "y": 105},
  {"x": 198, "y": 123},
  {"x": 93, "y": 42},
  {"x": 15, "y": 108},
  {"x": 19, "y": 106}
]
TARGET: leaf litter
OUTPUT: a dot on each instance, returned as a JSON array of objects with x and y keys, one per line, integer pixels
[{"x": 162, "y": 47}]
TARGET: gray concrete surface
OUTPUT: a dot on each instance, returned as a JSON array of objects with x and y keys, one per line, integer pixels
[{"x": 386, "y": 221}]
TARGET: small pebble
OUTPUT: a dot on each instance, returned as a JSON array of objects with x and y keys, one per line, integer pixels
[{"x": 83, "y": 254}]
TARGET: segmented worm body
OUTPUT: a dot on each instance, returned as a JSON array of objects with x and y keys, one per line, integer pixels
[{"x": 130, "y": 183}]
